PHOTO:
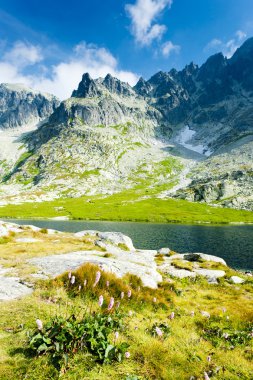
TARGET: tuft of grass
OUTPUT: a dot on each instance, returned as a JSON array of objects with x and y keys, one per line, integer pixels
[
  {"x": 108, "y": 255},
  {"x": 44, "y": 231},
  {"x": 5, "y": 239},
  {"x": 180, "y": 264},
  {"x": 123, "y": 246},
  {"x": 159, "y": 258}
]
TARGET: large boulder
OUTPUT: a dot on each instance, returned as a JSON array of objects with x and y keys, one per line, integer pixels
[{"x": 117, "y": 238}]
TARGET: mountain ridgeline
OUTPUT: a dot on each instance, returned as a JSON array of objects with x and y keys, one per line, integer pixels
[{"x": 185, "y": 134}]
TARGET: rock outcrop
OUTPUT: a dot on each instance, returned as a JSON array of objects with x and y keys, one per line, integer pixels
[
  {"x": 111, "y": 251},
  {"x": 20, "y": 105}
]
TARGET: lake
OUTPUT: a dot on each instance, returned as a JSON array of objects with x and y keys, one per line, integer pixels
[{"x": 234, "y": 243}]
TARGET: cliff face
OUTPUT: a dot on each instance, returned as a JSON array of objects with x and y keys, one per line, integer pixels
[{"x": 20, "y": 105}]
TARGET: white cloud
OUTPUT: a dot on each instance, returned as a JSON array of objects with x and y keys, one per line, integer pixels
[
  {"x": 23, "y": 54},
  {"x": 213, "y": 44},
  {"x": 62, "y": 78},
  {"x": 143, "y": 15},
  {"x": 14, "y": 60},
  {"x": 240, "y": 35},
  {"x": 168, "y": 47},
  {"x": 227, "y": 47}
]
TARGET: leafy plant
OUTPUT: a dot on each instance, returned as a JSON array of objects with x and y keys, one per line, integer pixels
[{"x": 62, "y": 337}]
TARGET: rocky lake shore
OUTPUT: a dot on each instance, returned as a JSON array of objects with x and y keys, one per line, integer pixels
[
  {"x": 162, "y": 312},
  {"x": 111, "y": 251}
]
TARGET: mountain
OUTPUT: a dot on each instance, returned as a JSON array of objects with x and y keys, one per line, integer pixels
[
  {"x": 20, "y": 105},
  {"x": 22, "y": 110},
  {"x": 104, "y": 139},
  {"x": 185, "y": 134}
]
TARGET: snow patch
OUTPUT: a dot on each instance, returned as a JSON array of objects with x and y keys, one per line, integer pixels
[{"x": 184, "y": 138}]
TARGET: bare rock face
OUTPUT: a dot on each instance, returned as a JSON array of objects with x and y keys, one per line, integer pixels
[
  {"x": 107, "y": 101},
  {"x": 20, "y": 105}
]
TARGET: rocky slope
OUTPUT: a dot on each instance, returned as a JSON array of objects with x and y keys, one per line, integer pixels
[
  {"x": 20, "y": 105},
  {"x": 104, "y": 139},
  {"x": 22, "y": 110},
  {"x": 190, "y": 131},
  {"x": 214, "y": 100}
]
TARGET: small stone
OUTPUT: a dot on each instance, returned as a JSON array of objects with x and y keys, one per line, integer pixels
[
  {"x": 237, "y": 280},
  {"x": 164, "y": 251}
]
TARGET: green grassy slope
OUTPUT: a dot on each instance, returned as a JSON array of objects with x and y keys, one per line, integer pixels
[{"x": 126, "y": 206}]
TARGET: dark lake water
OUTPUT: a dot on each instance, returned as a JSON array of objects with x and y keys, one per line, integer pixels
[{"x": 233, "y": 243}]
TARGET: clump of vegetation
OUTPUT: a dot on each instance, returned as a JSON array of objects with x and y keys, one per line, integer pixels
[
  {"x": 123, "y": 246},
  {"x": 180, "y": 264},
  {"x": 44, "y": 230},
  {"x": 93, "y": 332},
  {"x": 5, "y": 239},
  {"x": 63, "y": 337},
  {"x": 107, "y": 255},
  {"x": 222, "y": 333},
  {"x": 159, "y": 258}
]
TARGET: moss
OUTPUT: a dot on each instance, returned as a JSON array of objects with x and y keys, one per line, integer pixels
[
  {"x": 107, "y": 255},
  {"x": 123, "y": 246},
  {"x": 159, "y": 258}
]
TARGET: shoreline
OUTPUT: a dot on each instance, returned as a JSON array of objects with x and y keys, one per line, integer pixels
[{"x": 200, "y": 223}]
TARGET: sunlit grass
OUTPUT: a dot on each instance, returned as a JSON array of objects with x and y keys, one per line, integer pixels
[
  {"x": 181, "y": 355},
  {"x": 127, "y": 206}
]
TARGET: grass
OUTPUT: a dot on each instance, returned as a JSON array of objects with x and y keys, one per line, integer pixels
[
  {"x": 181, "y": 355},
  {"x": 180, "y": 264},
  {"x": 127, "y": 206}
]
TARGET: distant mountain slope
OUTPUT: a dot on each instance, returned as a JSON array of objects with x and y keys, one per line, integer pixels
[
  {"x": 104, "y": 139},
  {"x": 214, "y": 100},
  {"x": 186, "y": 134}
]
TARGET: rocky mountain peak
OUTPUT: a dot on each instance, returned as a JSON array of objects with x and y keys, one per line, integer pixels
[
  {"x": 213, "y": 68},
  {"x": 244, "y": 51},
  {"x": 191, "y": 68},
  {"x": 241, "y": 65},
  {"x": 143, "y": 87},
  {"x": 87, "y": 88},
  {"x": 158, "y": 78},
  {"x": 114, "y": 85}
]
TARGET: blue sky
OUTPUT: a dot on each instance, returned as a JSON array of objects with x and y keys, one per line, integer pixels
[{"x": 49, "y": 44}]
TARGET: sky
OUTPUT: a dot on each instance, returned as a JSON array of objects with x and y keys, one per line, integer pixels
[{"x": 48, "y": 45}]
